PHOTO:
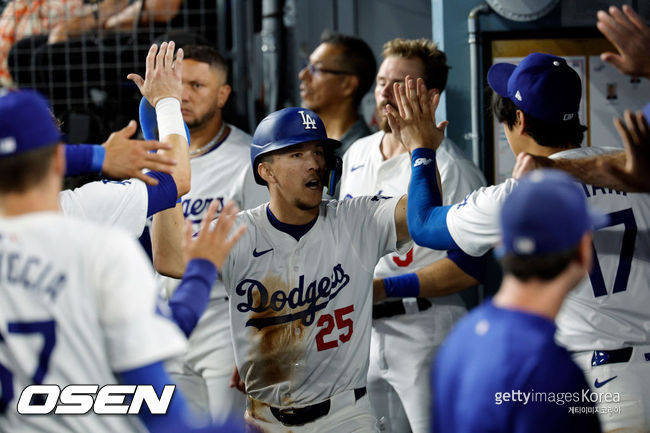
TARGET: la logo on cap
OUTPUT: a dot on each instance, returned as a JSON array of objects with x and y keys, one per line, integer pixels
[
  {"x": 7, "y": 145},
  {"x": 307, "y": 120}
]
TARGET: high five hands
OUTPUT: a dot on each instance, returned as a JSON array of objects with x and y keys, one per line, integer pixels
[{"x": 414, "y": 123}]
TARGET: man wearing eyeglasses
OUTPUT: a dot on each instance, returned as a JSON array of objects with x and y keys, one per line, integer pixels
[{"x": 340, "y": 72}]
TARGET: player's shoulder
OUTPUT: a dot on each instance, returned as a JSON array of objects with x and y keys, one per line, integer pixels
[
  {"x": 581, "y": 152},
  {"x": 239, "y": 137},
  {"x": 363, "y": 145}
]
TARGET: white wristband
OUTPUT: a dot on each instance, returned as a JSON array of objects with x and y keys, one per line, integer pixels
[{"x": 169, "y": 118}]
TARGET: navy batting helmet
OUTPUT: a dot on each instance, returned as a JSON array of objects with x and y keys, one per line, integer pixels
[{"x": 288, "y": 127}]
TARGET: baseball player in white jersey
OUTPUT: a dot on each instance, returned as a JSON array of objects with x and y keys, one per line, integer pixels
[
  {"x": 603, "y": 321},
  {"x": 128, "y": 203},
  {"x": 299, "y": 284},
  {"x": 219, "y": 157},
  {"x": 77, "y": 300},
  {"x": 379, "y": 164}
]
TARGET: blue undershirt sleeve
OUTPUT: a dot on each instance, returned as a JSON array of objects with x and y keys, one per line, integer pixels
[
  {"x": 425, "y": 215},
  {"x": 473, "y": 266},
  {"x": 84, "y": 159},
  {"x": 178, "y": 417},
  {"x": 191, "y": 297},
  {"x": 162, "y": 196}
]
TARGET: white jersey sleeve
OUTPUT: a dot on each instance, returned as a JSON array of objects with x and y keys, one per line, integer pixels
[
  {"x": 136, "y": 335},
  {"x": 120, "y": 204},
  {"x": 474, "y": 222}
]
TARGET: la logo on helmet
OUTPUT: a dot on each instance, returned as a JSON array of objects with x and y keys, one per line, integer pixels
[{"x": 307, "y": 121}]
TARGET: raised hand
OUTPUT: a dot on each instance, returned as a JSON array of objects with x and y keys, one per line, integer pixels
[
  {"x": 125, "y": 158},
  {"x": 415, "y": 123},
  {"x": 635, "y": 134},
  {"x": 213, "y": 243},
  {"x": 631, "y": 37},
  {"x": 163, "y": 74}
]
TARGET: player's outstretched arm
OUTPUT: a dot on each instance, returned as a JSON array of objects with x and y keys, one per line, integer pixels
[
  {"x": 205, "y": 255},
  {"x": 454, "y": 273},
  {"x": 623, "y": 171},
  {"x": 631, "y": 37},
  {"x": 162, "y": 86},
  {"x": 126, "y": 158},
  {"x": 119, "y": 157}
]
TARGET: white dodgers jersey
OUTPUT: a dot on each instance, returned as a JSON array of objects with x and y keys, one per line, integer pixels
[
  {"x": 473, "y": 223},
  {"x": 300, "y": 311},
  {"x": 365, "y": 172},
  {"x": 120, "y": 204},
  {"x": 77, "y": 304},
  {"x": 611, "y": 308},
  {"x": 221, "y": 175}
]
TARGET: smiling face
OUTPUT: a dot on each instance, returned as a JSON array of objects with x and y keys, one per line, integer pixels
[
  {"x": 393, "y": 70},
  {"x": 295, "y": 175}
]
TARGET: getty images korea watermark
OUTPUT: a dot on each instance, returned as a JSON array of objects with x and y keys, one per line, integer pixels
[
  {"x": 576, "y": 402},
  {"x": 80, "y": 399}
]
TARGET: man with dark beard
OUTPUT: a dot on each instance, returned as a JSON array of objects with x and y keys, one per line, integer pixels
[
  {"x": 219, "y": 158},
  {"x": 379, "y": 164}
]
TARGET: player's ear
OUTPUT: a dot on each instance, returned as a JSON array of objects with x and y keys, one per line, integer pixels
[
  {"x": 265, "y": 171},
  {"x": 520, "y": 122},
  {"x": 350, "y": 84},
  {"x": 223, "y": 95},
  {"x": 58, "y": 160}
]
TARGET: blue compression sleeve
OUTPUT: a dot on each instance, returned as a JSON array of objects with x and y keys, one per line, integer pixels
[
  {"x": 162, "y": 196},
  {"x": 473, "y": 266},
  {"x": 84, "y": 159},
  {"x": 178, "y": 417},
  {"x": 149, "y": 122},
  {"x": 155, "y": 375},
  {"x": 425, "y": 215},
  {"x": 402, "y": 286},
  {"x": 190, "y": 299}
]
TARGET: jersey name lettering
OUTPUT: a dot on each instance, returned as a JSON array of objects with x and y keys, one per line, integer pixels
[
  {"x": 324, "y": 289},
  {"x": 31, "y": 273},
  {"x": 591, "y": 190},
  {"x": 307, "y": 120}
]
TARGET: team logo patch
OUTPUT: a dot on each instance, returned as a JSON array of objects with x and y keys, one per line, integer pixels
[
  {"x": 313, "y": 296},
  {"x": 307, "y": 121},
  {"x": 422, "y": 161}
]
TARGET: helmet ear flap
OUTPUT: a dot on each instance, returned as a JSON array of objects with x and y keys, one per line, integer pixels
[{"x": 335, "y": 169}]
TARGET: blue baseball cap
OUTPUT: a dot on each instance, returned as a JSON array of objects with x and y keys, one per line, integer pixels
[
  {"x": 542, "y": 85},
  {"x": 26, "y": 123},
  {"x": 547, "y": 212},
  {"x": 288, "y": 127}
]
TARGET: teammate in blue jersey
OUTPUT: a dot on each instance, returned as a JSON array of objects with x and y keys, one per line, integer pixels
[{"x": 500, "y": 369}]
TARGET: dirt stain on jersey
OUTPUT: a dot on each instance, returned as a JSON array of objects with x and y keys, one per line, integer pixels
[{"x": 277, "y": 350}]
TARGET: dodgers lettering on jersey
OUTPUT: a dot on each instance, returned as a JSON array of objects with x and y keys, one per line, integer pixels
[
  {"x": 313, "y": 297},
  {"x": 300, "y": 311},
  {"x": 194, "y": 209}
]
